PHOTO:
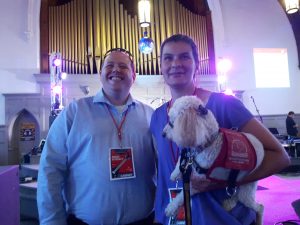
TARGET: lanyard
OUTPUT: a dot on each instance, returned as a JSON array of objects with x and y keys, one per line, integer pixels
[{"x": 119, "y": 127}]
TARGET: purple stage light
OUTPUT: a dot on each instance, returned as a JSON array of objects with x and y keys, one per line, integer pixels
[
  {"x": 57, "y": 62},
  {"x": 224, "y": 65}
]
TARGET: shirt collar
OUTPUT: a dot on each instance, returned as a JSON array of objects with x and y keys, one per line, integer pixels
[{"x": 100, "y": 98}]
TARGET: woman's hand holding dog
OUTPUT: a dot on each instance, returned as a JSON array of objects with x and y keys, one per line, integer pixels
[{"x": 202, "y": 184}]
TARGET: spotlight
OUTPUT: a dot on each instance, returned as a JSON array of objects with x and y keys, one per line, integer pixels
[
  {"x": 222, "y": 79},
  {"x": 57, "y": 89},
  {"x": 224, "y": 65},
  {"x": 64, "y": 75},
  {"x": 57, "y": 62}
]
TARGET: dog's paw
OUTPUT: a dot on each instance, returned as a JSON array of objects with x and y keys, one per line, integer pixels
[
  {"x": 229, "y": 204},
  {"x": 175, "y": 176},
  {"x": 171, "y": 209}
]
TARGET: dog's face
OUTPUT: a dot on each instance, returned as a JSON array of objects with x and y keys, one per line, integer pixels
[{"x": 190, "y": 124}]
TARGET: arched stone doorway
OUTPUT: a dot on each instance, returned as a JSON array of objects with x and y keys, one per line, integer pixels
[{"x": 24, "y": 135}]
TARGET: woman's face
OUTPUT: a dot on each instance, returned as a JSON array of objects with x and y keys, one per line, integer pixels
[{"x": 177, "y": 64}]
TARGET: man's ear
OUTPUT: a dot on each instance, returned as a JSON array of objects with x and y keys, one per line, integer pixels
[
  {"x": 196, "y": 71},
  {"x": 133, "y": 76}
]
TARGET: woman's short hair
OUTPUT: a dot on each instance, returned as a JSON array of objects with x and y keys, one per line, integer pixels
[{"x": 182, "y": 38}]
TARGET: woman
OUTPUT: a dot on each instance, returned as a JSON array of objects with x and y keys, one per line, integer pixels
[{"x": 179, "y": 64}]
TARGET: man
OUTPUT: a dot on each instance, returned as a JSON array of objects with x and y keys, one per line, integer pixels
[
  {"x": 98, "y": 162},
  {"x": 291, "y": 126},
  {"x": 179, "y": 64}
]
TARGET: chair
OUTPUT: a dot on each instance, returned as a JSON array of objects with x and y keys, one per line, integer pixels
[{"x": 273, "y": 130}]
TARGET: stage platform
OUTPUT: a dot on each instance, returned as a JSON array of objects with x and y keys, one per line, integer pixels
[{"x": 28, "y": 186}]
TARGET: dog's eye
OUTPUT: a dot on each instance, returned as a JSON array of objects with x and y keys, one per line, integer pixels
[
  {"x": 202, "y": 110},
  {"x": 171, "y": 124}
]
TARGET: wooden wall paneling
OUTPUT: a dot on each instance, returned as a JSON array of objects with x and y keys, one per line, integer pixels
[
  {"x": 168, "y": 18},
  {"x": 126, "y": 29},
  {"x": 84, "y": 37},
  {"x": 140, "y": 55},
  {"x": 92, "y": 35},
  {"x": 81, "y": 32},
  {"x": 118, "y": 24},
  {"x": 103, "y": 39},
  {"x": 152, "y": 36},
  {"x": 113, "y": 24},
  {"x": 163, "y": 31},
  {"x": 130, "y": 40},
  {"x": 59, "y": 29},
  {"x": 107, "y": 25},
  {"x": 136, "y": 39},
  {"x": 122, "y": 26},
  {"x": 174, "y": 17},
  {"x": 64, "y": 41},
  {"x": 44, "y": 36},
  {"x": 68, "y": 39},
  {"x": 156, "y": 33},
  {"x": 210, "y": 43}
]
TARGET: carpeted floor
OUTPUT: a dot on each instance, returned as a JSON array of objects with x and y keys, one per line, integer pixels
[{"x": 280, "y": 195}]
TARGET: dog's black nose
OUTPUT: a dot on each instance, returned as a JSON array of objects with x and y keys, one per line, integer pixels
[
  {"x": 202, "y": 110},
  {"x": 164, "y": 134}
]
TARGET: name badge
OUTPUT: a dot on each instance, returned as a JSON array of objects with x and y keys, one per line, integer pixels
[
  {"x": 121, "y": 163},
  {"x": 179, "y": 219}
]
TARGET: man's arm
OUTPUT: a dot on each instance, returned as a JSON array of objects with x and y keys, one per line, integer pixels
[{"x": 52, "y": 173}]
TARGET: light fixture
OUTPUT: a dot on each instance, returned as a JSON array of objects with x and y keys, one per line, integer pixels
[
  {"x": 144, "y": 13},
  {"x": 223, "y": 66},
  {"x": 291, "y": 6},
  {"x": 146, "y": 44},
  {"x": 56, "y": 76}
]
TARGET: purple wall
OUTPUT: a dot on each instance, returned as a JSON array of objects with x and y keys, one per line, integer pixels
[{"x": 9, "y": 195}]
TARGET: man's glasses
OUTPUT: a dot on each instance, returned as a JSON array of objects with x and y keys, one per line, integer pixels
[{"x": 119, "y": 50}]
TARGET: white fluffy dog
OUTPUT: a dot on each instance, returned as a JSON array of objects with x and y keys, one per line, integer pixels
[{"x": 193, "y": 126}]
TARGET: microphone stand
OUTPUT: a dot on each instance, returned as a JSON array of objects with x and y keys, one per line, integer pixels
[{"x": 257, "y": 110}]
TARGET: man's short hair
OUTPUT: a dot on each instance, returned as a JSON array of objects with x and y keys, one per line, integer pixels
[
  {"x": 291, "y": 113},
  {"x": 124, "y": 51}
]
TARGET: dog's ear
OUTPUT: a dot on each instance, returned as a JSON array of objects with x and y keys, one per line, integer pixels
[
  {"x": 187, "y": 123},
  {"x": 202, "y": 110}
]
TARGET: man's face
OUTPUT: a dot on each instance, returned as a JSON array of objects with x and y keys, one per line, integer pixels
[
  {"x": 116, "y": 73},
  {"x": 177, "y": 63}
]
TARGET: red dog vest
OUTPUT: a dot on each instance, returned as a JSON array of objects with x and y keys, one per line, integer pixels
[{"x": 236, "y": 153}]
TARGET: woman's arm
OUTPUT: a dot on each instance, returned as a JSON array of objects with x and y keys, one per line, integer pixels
[{"x": 275, "y": 159}]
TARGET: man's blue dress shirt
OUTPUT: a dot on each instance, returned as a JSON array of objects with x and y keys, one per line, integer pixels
[{"x": 75, "y": 164}]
